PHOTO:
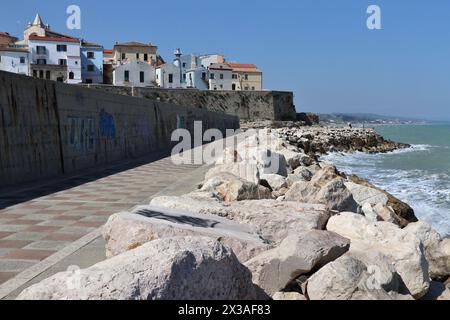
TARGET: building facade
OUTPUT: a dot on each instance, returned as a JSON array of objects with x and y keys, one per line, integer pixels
[
  {"x": 220, "y": 76},
  {"x": 246, "y": 77},
  {"x": 134, "y": 73},
  {"x": 91, "y": 62},
  {"x": 14, "y": 60},
  {"x": 55, "y": 58},
  {"x": 134, "y": 51}
]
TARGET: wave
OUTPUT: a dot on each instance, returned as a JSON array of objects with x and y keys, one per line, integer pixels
[{"x": 426, "y": 191}]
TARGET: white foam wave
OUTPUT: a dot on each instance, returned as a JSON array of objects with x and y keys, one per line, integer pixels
[{"x": 426, "y": 191}]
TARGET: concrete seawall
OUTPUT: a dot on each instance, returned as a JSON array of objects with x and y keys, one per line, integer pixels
[
  {"x": 48, "y": 128},
  {"x": 247, "y": 105}
]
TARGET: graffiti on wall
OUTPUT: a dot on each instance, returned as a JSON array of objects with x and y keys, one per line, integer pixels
[
  {"x": 181, "y": 122},
  {"x": 107, "y": 125},
  {"x": 81, "y": 133},
  {"x": 142, "y": 127}
]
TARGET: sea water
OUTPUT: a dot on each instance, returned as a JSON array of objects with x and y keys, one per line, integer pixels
[{"x": 419, "y": 176}]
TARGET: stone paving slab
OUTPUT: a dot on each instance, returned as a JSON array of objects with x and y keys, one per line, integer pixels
[{"x": 35, "y": 229}]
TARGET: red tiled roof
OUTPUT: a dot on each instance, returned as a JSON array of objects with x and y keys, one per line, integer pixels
[
  {"x": 54, "y": 39},
  {"x": 108, "y": 51},
  {"x": 5, "y": 34},
  {"x": 134, "y": 44},
  {"x": 242, "y": 65}
]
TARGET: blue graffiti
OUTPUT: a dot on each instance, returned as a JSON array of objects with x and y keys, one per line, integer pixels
[{"x": 107, "y": 125}]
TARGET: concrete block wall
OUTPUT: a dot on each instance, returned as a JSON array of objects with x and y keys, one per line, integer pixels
[
  {"x": 49, "y": 128},
  {"x": 247, "y": 105}
]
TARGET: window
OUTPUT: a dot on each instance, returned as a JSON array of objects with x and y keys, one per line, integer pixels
[
  {"x": 90, "y": 55},
  {"x": 253, "y": 88},
  {"x": 203, "y": 75},
  {"x": 221, "y": 86},
  {"x": 246, "y": 77},
  {"x": 88, "y": 80},
  {"x": 211, "y": 76},
  {"x": 41, "y": 74},
  {"x": 221, "y": 76},
  {"x": 126, "y": 76},
  {"x": 41, "y": 50},
  {"x": 71, "y": 75},
  {"x": 184, "y": 76},
  {"x": 246, "y": 88},
  {"x": 47, "y": 75},
  {"x": 170, "y": 78},
  {"x": 62, "y": 62},
  {"x": 233, "y": 86},
  {"x": 184, "y": 64},
  {"x": 142, "y": 76},
  {"x": 90, "y": 67},
  {"x": 234, "y": 76},
  {"x": 22, "y": 60},
  {"x": 123, "y": 56},
  {"x": 61, "y": 48},
  {"x": 145, "y": 57},
  {"x": 35, "y": 73},
  {"x": 137, "y": 56},
  {"x": 41, "y": 61}
]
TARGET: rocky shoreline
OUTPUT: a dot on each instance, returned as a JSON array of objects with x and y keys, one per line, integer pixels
[{"x": 270, "y": 221}]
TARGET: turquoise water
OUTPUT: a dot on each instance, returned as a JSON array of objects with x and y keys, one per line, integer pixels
[{"x": 419, "y": 176}]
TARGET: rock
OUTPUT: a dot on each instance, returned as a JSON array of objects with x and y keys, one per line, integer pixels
[
  {"x": 333, "y": 194},
  {"x": 302, "y": 174},
  {"x": 369, "y": 212},
  {"x": 271, "y": 219},
  {"x": 363, "y": 194},
  {"x": 181, "y": 268},
  {"x": 298, "y": 254},
  {"x": 403, "y": 248},
  {"x": 288, "y": 296},
  {"x": 344, "y": 279},
  {"x": 422, "y": 230},
  {"x": 228, "y": 187},
  {"x": 337, "y": 196},
  {"x": 245, "y": 171},
  {"x": 381, "y": 272},
  {"x": 403, "y": 211},
  {"x": 126, "y": 231},
  {"x": 275, "y": 181},
  {"x": 437, "y": 251},
  {"x": 293, "y": 159},
  {"x": 438, "y": 291},
  {"x": 439, "y": 260},
  {"x": 325, "y": 175},
  {"x": 229, "y": 156},
  {"x": 385, "y": 213},
  {"x": 270, "y": 162}
]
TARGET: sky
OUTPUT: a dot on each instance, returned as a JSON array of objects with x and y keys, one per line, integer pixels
[{"x": 321, "y": 50}]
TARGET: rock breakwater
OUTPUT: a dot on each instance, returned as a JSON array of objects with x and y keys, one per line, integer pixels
[{"x": 271, "y": 221}]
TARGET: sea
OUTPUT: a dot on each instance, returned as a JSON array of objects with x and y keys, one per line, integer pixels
[{"x": 419, "y": 176}]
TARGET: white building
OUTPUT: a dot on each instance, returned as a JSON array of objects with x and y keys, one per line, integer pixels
[
  {"x": 170, "y": 75},
  {"x": 134, "y": 73},
  {"x": 55, "y": 58},
  {"x": 14, "y": 60},
  {"x": 220, "y": 76}
]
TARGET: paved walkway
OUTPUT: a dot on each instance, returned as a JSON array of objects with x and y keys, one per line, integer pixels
[{"x": 37, "y": 221}]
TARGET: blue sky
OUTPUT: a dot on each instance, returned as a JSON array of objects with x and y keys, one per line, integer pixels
[{"x": 320, "y": 49}]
